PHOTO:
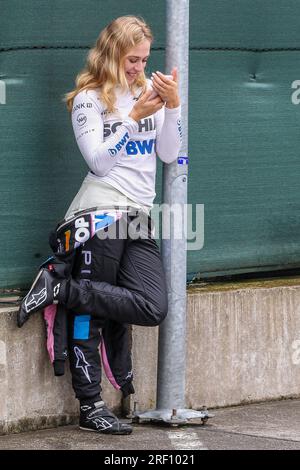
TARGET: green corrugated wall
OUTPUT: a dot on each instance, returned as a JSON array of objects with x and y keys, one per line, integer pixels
[
  {"x": 244, "y": 134},
  {"x": 243, "y": 126}
]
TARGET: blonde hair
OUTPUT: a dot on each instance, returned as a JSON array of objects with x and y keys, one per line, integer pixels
[{"x": 104, "y": 61}]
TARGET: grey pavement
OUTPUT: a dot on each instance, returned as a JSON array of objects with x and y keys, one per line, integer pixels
[{"x": 263, "y": 426}]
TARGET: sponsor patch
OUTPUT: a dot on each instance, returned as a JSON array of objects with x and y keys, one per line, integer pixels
[{"x": 183, "y": 160}]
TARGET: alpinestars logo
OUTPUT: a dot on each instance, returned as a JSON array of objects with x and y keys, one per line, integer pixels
[
  {"x": 56, "y": 289},
  {"x": 82, "y": 363},
  {"x": 35, "y": 300},
  {"x": 101, "y": 423}
]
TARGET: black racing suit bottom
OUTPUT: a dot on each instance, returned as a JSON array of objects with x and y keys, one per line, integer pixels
[{"x": 118, "y": 281}]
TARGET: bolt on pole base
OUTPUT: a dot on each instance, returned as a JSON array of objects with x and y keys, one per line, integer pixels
[{"x": 173, "y": 417}]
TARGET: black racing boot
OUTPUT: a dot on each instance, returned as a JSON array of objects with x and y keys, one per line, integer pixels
[
  {"x": 98, "y": 418},
  {"x": 46, "y": 289}
]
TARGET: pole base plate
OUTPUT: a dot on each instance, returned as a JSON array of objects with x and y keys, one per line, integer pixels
[{"x": 172, "y": 417}]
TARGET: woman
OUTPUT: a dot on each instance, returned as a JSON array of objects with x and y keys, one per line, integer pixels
[{"x": 122, "y": 122}]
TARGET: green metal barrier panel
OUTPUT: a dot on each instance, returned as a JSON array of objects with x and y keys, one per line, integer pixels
[
  {"x": 244, "y": 24},
  {"x": 243, "y": 127},
  {"x": 244, "y": 139},
  {"x": 70, "y": 23},
  {"x": 245, "y": 163}
]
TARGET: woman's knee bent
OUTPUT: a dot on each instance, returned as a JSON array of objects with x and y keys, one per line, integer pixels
[{"x": 158, "y": 312}]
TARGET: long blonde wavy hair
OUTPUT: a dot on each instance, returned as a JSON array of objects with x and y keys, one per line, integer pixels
[{"x": 104, "y": 66}]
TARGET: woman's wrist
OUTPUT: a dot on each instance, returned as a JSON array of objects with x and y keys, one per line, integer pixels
[
  {"x": 133, "y": 115},
  {"x": 173, "y": 104}
]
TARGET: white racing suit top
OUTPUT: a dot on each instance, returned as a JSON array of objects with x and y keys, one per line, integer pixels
[{"x": 120, "y": 152}]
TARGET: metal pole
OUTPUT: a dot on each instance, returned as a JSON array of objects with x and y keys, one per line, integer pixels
[
  {"x": 172, "y": 336},
  {"x": 171, "y": 362}
]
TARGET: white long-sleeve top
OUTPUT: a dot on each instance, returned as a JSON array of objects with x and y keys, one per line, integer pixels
[{"x": 119, "y": 151}]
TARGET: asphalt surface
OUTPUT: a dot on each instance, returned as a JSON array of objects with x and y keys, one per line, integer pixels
[{"x": 263, "y": 426}]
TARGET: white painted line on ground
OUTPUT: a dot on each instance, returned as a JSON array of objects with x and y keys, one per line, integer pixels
[{"x": 185, "y": 440}]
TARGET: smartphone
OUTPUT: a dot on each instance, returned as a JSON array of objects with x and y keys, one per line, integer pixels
[{"x": 154, "y": 93}]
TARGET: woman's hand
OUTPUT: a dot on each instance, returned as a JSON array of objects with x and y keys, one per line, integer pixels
[
  {"x": 145, "y": 107},
  {"x": 166, "y": 88}
]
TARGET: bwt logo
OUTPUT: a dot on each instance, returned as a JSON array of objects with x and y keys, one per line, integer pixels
[
  {"x": 112, "y": 152},
  {"x": 295, "y": 98},
  {"x": 2, "y": 92},
  {"x": 119, "y": 145}
]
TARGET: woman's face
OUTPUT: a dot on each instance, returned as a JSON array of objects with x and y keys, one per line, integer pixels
[{"x": 136, "y": 60}]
